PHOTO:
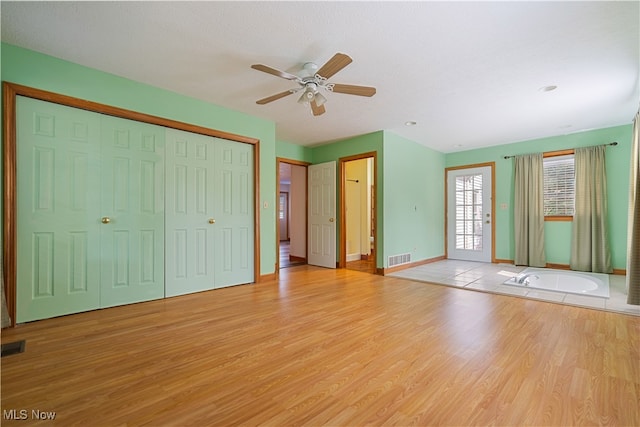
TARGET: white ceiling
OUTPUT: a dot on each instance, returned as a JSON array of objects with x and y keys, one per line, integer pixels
[{"x": 469, "y": 73}]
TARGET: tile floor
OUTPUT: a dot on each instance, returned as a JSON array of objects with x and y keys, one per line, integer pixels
[{"x": 489, "y": 278}]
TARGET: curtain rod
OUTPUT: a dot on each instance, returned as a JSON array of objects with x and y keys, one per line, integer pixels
[{"x": 614, "y": 143}]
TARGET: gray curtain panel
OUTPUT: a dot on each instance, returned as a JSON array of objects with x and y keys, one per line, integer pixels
[
  {"x": 529, "y": 210},
  {"x": 590, "y": 234},
  {"x": 633, "y": 238}
]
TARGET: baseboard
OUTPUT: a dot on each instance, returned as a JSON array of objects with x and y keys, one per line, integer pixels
[
  {"x": 385, "y": 271},
  {"x": 557, "y": 266},
  {"x": 267, "y": 277},
  {"x": 297, "y": 258},
  {"x": 620, "y": 271},
  {"x": 503, "y": 261},
  {"x": 353, "y": 257}
]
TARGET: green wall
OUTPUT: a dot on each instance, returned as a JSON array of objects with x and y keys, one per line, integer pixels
[
  {"x": 40, "y": 71},
  {"x": 291, "y": 151},
  {"x": 558, "y": 234},
  {"x": 410, "y": 177},
  {"x": 350, "y": 147},
  {"x": 409, "y": 192},
  {"x": 413, "y": 189}
]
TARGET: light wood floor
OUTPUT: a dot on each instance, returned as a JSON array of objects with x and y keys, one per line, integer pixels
[
  {"x": 330, "y": 347},
  {"x": 285, "y": 250}
]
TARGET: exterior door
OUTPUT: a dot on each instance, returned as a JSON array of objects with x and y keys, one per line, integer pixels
[
  {"x": 469, "y": 208},
  {"x": 132, "y": 214},
  {"x": 322, "y": 214},
  {"x": 189, "y": 213},
  {"x": 58, "y": 210}
]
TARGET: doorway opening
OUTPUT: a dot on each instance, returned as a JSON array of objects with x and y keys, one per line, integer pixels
[
  {"x": 358, "y": 212},
  {"x": 291, "y": 220}
]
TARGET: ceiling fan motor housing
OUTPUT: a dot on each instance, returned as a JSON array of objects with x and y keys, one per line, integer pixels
[{"x": 308, "y": 70}]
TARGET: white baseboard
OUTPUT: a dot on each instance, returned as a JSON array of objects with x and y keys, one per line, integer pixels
[{"x": 353, "y": 257}]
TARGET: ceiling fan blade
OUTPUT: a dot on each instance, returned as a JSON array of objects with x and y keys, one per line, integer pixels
[
  {"x": 335, "y": 64},
  {"x": 274, "y": 97},
  {"x": 275, "y": 72},
  {"x": 354, "y": 90},
  {"x": 317, "y": 109}
]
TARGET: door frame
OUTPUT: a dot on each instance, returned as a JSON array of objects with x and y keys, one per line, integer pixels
[
  {"x": 342, "y": 226},
  {"x": 9, "y": 93},
  {"x": 492, "y": 166},
  {"x": 306, "y": 205}
]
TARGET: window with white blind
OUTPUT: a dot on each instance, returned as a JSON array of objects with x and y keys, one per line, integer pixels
[{"x": 559, "y": 186}]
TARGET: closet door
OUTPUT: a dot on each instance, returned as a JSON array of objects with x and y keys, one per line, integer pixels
[
  {"x": 58, "y": 210},
  {"x": 132, "y": 214},
  {"x": 190, "y": 220},
  {"x": 233, "y": 209}
]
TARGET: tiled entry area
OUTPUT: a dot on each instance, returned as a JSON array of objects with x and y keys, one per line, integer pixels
[{"x": 489, "y": 278}]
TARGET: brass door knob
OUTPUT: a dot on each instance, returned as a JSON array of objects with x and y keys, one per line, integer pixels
[
  {"x": 212, "y": 221},
  {"x": 106, "y": 220},
  {"x": 330, "y": 219}
]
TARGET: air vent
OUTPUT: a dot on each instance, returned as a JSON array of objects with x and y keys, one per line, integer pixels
[{"x": 399, "y": 259}]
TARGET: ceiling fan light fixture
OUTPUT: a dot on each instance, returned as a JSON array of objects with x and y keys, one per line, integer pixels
[
  {"x": 319, "y": 98},
  {"x": 311, "y": 79},
  {"x": 308, "y": 94}
]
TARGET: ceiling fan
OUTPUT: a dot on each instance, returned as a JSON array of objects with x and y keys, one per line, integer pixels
[{"x": 313, "y": 80}]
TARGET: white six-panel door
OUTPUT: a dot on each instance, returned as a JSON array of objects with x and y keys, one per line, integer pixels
[
  {"x": 190, "y": 213},
  {"x": 58, "y": 210},
  {"x": 322, "y": 215},
  {"x": 233, "y": 212},
  {"x": 91, "y": 197},
  {"x": 132, "y": 211},
  {"x": 209, "y": 218}
]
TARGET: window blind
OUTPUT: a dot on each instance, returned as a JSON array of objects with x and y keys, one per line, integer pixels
[{"x": 559, "y": 185}]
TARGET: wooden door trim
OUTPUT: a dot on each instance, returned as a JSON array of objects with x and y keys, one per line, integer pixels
[
  {"x": 492, "y": 166},
  {"x": 342, "y": 261},
  {"x": 11, "y": 90}
]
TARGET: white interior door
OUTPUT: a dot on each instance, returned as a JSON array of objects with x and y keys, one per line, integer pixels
[
  {"x": 58, "y": 210},
  {"x": 233, "y": 248},
  {"x": 132, "y": 224},
  {"x": 469, "y": 214},
  {"x": 322, "y": 215},
  {"x": 189, "y": 213}
]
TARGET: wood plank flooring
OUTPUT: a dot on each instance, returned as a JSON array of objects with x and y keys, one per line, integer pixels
[
  {"x": 329, "y": 347},
  {"x": 285, "y": 260}
]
